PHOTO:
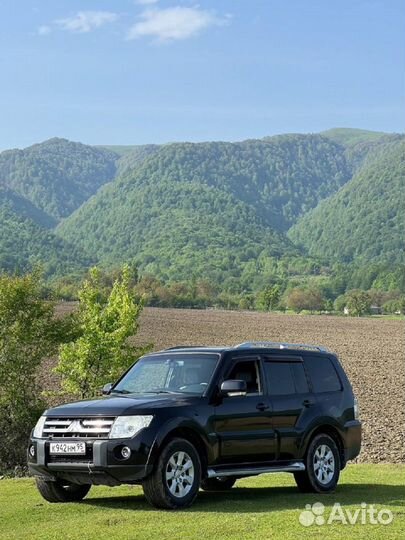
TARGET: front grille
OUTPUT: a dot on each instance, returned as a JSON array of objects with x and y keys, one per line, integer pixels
[{"x": 93, "y": 427}]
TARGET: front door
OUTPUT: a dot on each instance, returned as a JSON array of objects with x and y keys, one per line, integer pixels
[{"x": 243, "y": 423}]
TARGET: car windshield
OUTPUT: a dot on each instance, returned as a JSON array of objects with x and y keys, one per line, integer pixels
[{"x": 169, "y": 373}]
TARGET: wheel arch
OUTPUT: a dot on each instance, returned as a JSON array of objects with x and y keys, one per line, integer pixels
[
  {"x": 333, "y": 432},
  {"x": 187, "y": 430}
]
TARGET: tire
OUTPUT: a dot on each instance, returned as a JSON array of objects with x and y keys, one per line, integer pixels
[
  {"x": 322, "y": 462},
  {"x": 175, "y": 481},
  {"x": 218, "y": 484},
  {"x": 60, "y": 492}
]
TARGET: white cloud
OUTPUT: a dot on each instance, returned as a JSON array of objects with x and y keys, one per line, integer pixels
[
  {"x": 173, "y": 23},
  {"x": 86, "y": 21},
  {"x": 44, "y": 30}
]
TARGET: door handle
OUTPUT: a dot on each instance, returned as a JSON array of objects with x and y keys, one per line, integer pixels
[
  {"x": 262, "y": 406},
  {"x": 308, "y": 402}
]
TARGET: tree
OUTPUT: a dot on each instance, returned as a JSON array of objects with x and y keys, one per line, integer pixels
[
  {"x": 270, "y": 297},
  {"x": 395, "y": 306},
  {"x": 311, "y": 299},
  {"x": 104, "y": 323},
  {"x": 28, "y": 333},
  {"x": 358, "y": 303},
  {"x": 340, "y": 303},
  {"x": 246, "y": 301},
  {"x": 315, "y": 299}
]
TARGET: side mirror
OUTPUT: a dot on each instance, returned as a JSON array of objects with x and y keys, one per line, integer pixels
[
  {"x": 233, "y": 388},
  {"x": 107, "y": 389}
]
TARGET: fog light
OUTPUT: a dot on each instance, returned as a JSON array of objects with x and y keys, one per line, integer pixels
[
  {"x": 125, "y": 452},
  {"x": 32, "y": 450}
]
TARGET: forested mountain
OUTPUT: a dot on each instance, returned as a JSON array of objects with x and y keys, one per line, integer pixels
[
  {"x": 25, "y": 239},
  {"x": 351, "y": 136},
  {"x": 57, "y": 175},
  {"x": 238, "y": 214},
  {"x": 208, "y": 208},
  {"x": 135, "y": 156},
  {"x": 173, "y": 230},
  {"x": 363, "y": 221}
]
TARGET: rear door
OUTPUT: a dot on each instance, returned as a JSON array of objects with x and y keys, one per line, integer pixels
[
  {"x": 243, "y": 424},
  {"x": 290, "y": 401}
]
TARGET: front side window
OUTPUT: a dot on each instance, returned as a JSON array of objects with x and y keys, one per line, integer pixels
[
  {"x": 249, "y": 372},
  {"x": 169, "y": 373}
]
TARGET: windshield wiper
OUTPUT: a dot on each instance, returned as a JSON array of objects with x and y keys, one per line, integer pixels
[
  {"x": 158, "y": 391},
  {"x": 121, "y": 392}
]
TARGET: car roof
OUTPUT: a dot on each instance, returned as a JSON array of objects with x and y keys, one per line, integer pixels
[{"x": 256, "y": 347}]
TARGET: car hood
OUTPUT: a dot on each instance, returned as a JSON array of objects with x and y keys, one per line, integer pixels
[{"x": 121, "y": 405}]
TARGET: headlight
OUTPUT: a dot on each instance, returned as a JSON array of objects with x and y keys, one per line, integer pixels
[
  {"x": 39, "y": 427},
  {"x": 125, "y": 427}
]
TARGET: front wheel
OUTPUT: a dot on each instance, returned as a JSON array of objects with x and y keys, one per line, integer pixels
[
  {"x": 175, "y": 481},
  {"x": 59, "y": 491},
  {"x": 322, "y": 464}
]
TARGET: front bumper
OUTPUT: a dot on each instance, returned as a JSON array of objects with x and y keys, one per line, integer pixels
[{"x": 102, "y": 463}]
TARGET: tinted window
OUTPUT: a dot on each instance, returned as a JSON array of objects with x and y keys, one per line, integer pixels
[
  {"x": 322, "y": 374},
  {"x": 279, "y": 378},
  {"x": 247, "y": 371},
  {"x": 300, "y": 379}
]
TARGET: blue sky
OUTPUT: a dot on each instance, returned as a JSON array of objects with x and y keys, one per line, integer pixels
[{"x": 133, "y": 72}]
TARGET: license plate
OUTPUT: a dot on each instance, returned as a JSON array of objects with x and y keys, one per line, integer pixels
[{"x": 67, "y": 448}]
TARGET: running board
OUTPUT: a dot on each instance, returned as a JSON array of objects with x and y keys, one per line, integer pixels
[{"x": 253, "y": 471}]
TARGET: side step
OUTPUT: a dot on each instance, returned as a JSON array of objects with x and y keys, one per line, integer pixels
[{"x": 253, "y": 471}]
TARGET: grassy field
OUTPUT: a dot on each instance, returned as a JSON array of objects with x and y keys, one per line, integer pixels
[{"x": 256, "y": 508}]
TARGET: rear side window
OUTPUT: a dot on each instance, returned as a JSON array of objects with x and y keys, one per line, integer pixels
[
  {"x": 300, "y": 379},
  {"x": 279, "y": 378},
  {"x": 322, "y": 374}
]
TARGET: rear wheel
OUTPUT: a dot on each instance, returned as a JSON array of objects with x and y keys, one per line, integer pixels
[
  {"x": 218, "y": 484},
  {"x": 322, "y": 464},
  {"x": 61, "y": 491},
  {"x": 176, "y": 479}
]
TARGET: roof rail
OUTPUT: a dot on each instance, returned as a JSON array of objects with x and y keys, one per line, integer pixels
[
  {"x": 182, "y": 347},
  {"x": 278, "y": 345}
]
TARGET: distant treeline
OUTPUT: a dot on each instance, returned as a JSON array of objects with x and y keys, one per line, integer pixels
[{"x": 342, "y": 288}]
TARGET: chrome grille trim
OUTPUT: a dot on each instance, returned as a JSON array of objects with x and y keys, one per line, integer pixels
[{"x": 77, "y": 427}]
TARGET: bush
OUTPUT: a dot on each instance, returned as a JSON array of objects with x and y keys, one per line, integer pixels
[{"x": 28, "y": 333}]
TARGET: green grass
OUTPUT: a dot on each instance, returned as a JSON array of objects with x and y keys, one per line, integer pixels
[{"x": 256, "y": 508}]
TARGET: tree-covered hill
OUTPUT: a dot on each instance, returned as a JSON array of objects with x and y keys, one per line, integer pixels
[
  {"x": 283, "y": 176},
  {"x": 57, "y": 175},
  {"x": 363, "y": 221},
  {"x": 135, "y": 156},
  {"x": 214, "y": 210},
  {"x": 367, "y": 152},
  {"x": 26, "y": 239},
  {"x": 172, "y": 230},
  {"x": 351, "y": 136},
  {"x": 206, "y": 209}
]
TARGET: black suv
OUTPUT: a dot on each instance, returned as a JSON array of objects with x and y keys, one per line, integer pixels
[{"x": 191, "y": 417}]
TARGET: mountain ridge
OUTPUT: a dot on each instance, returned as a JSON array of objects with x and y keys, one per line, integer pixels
[{"x": 178, "y": 209}]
